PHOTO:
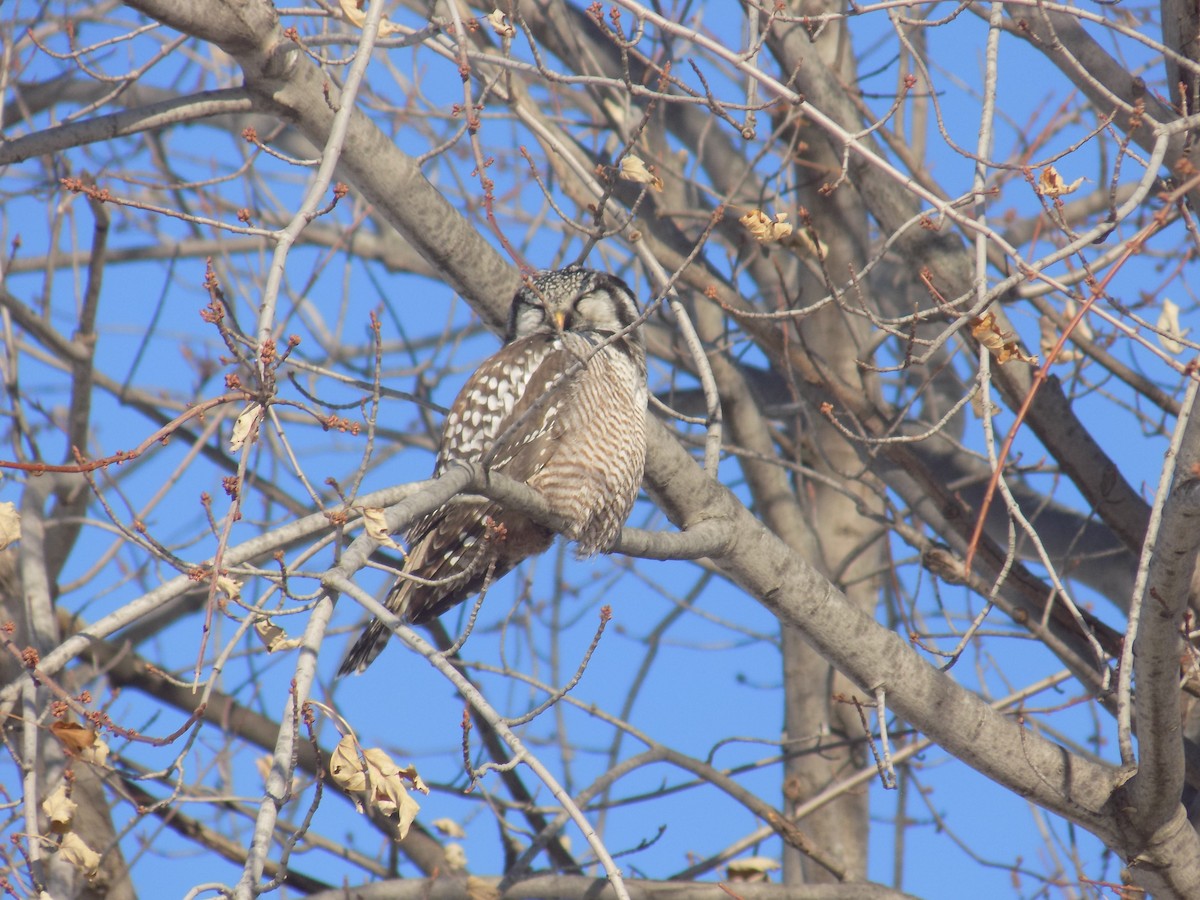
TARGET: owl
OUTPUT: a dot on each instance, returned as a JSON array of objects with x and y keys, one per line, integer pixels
[{"x": 560, "y": 407}]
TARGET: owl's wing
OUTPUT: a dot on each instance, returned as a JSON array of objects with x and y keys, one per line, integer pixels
[
  {"x": 469, "y": 540},
  {"x": 503, "y": 414},
  {"x": 510, "y": 404}
]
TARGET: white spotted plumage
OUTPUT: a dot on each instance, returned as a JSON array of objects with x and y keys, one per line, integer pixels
[{"x": 560, "y": 407}]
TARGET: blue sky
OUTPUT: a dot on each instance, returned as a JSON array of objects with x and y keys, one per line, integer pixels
[{"x": 716, "y": 674}]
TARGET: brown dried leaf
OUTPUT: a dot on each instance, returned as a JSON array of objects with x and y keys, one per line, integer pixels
[
  {"x": 1012, "y": 350},
  {"x": 977, "y": 406},
  {"x": 1001, "y": 343},
  {"x": 1051, "y": 184},
  {"x": 73, "y": 736}
]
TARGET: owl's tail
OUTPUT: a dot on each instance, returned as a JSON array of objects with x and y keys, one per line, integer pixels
[{"x": 368, "y": 646}]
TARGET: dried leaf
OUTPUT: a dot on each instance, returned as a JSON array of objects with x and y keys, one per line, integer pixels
[
  {"x": 97, "y": 754},
  {"x": 803, "y": 241},
  {"x": 1168, "y": 325},
  {"x": 500, "y": 24},
  {"x": 245, "y": 427},
  {"x": 1051, "y": 184},
  {"x": 230, "y": 587},
  {"x": 765, "y": 229},
  {"x": 353, "y": 11},
  {"x": 77, "y": 853},
  {"x": 59, "y": 809},
  {"x": 273, "y": 637},
  {"x": 478, "y": 889},
  {"x": 1001, "y": 343},
  {"x": 751, "y": 869},
  {"x": 375, "y": 778},
  {"x": 345, "y": 768},
  {"x": 1049, "y": 339},
  {"x": 977, "y": 406},
  {"x": 984, "y": 330},
  {"x": 73, "y": 736},
  {"x": 1050, "y": 335},
  {"x": 456, "y": 857},
  {"x": 633, "y": 169},
  {"x": 377, "y": 529},
  {"x": 450, "y": 828},
  {"x": 1012, "y": 350},
  {"x": 1082, "y": 329},
  {"x": 10, "y": 524},
  {"x": 262, "y": 765}
]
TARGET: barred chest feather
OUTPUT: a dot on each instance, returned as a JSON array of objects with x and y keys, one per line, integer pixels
[{"x": 579, "y": 439}]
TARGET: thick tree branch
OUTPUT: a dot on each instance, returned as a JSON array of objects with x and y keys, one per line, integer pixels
[{"x": 176, "y": 111}]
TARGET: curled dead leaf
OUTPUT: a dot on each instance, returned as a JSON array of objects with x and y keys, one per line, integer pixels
[
  {"x": 802, "y": 241},
  {"x": 376, "y": 526},
  {"x": 353, "y": 10},
  {"x": 456, "y": 857},
  {"x": 1049, "y": 339},
  {"x": 478, "y": 889},
  {"x": 245, "y": 427},
  {"x": 273, "y": 637},
  {"x": 230, "y": 587},
  {"x": 73, "y": 736},
  {"x": 766, "y": 230},
  {"x": 634, "y": 169},
  {"x": 59, "y": 809},
  {"x": 978, "y": 408},
  {"x": 1002, "y": 344},
  {"x": 97, "y": 754},
  {"x": 10, "y": 524},
  {"x": 450, "y": 828},
  {"x": 751, "y": 869},
  {"x": 1051, "y": 184},
  {"x": 500, "y": 24},
  {"x": 1171, "y": 333},
  {"x": 74, "y": 851},
  {"x": 371, "y": 775},
  {"x": 1050, "y": 335}
]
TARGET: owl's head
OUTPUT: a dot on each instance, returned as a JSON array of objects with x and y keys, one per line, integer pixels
[{"x": 573, "y": 299}]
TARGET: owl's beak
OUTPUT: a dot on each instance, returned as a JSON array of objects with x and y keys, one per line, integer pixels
[{"x": 559, "y": 317}]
